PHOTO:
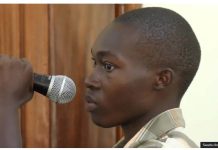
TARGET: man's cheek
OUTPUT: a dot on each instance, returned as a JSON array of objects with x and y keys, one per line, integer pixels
[{"x": 118, "y": 93}]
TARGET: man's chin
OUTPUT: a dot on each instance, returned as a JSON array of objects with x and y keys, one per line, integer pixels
[{"x": 101, "y": 123}]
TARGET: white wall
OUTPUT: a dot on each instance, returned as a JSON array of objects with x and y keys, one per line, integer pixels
[{"x": 200, "y": 103}]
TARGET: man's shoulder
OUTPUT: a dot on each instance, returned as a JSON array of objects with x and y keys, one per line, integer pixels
[{"x": 178, "y": 137}]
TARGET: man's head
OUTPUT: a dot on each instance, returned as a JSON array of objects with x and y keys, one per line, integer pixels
[{"x": 144, "y": 62}]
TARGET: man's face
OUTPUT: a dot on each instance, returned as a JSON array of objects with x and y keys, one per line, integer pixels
[{"x": 119, "y": 89}]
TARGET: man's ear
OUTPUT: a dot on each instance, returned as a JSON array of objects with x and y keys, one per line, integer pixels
[{"x": 163, "y": 78}]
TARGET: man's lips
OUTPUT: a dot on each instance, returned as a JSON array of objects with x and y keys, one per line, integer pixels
[{"x": 91, "y": 104}]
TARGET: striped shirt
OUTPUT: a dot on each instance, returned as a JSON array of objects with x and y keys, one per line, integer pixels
[{"x": 166, "y": 130}]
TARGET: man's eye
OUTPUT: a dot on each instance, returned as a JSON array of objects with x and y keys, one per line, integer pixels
[{"x": 108, "y": 67}]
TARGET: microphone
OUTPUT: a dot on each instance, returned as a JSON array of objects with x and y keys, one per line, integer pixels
[{"x": 60, "y": 89}]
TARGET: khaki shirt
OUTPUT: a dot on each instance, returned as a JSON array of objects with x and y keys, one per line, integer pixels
[{"x": 166, "y": 130}]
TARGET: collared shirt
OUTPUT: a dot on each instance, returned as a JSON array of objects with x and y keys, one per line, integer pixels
[{"x": 166, "y": 130}]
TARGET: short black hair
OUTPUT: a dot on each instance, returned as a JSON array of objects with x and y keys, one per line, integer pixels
[{"x": 170, "y": 40}]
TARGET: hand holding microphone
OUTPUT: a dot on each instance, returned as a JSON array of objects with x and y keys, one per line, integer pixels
[{"x": 17, "y": 83}]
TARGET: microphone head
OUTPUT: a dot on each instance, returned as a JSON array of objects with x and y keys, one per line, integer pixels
[{"x": 62, "y": 89}]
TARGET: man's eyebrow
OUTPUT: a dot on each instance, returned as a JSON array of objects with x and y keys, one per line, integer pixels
[{"x": 103, "y": 53}]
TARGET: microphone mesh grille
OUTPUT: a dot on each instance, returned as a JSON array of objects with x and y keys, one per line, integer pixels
[{"x": 62, "y": 89}]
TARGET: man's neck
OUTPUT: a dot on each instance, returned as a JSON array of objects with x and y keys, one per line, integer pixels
[{"x": 133, "y": 126}]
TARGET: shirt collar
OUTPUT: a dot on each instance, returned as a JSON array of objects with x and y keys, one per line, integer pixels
[{"x": 156, "y": 127}]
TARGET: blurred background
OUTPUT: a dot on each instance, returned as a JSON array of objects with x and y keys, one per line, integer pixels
[{"x": 57, "y": 38}]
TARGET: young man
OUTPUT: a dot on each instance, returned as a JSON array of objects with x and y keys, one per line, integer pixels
[{"x": 144, "y": 62}]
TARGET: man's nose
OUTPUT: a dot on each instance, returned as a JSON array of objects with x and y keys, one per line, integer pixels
[{"x": 92, "y": 81}]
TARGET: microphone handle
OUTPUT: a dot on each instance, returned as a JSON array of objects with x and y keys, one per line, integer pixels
[{"x": 41, "y": 83}]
